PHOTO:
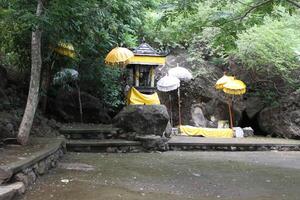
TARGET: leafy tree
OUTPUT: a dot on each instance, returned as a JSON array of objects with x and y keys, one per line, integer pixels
[
  {"x": 93, "y": 27},
  {"x": 270, "y": 51}
]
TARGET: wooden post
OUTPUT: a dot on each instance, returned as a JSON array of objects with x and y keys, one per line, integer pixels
[
  {"x": 152, "y": 76},
  {"x": 137, "y": 76}
]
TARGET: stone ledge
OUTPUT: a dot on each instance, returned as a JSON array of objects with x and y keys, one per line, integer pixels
[
  {"x": 30, "y": 167},
  {"x": 53, "y": 146}
]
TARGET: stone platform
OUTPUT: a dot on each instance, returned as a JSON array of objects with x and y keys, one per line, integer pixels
[{"x": 185, "y": 143}]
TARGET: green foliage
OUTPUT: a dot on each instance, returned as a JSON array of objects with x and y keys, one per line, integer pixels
[
  {"x": 93, "y": 27},
  {"x": 103, "y": 82},
  {"x": 172, "y": 28},
  {"x": 261, "y": 36},
  {"x": 270, "y": 49}
]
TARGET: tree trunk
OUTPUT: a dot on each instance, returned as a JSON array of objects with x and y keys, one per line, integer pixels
[{"x": 33, "y": 94}]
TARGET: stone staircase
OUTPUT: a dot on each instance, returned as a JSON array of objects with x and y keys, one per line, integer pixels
[
  {"x": 107, "y": 138},
  {"x": 98, "y": 138}
]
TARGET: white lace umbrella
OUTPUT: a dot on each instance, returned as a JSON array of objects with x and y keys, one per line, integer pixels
[
  {"x": 181, "y": 73},
  {"x": 65, "y": 75},
  {"x": 184, "y": 75},
  {"x": 166, "y": 84}
]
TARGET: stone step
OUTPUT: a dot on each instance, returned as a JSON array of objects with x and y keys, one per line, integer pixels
[
  {"x": 90, "y": 132},
  {"x": 12, "y": 191},
  {"x": 181, "y": 143},
  {"x": 105, "y": 145}
]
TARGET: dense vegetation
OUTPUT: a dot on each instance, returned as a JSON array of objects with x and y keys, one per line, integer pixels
[
  {"x": 93, "y": 27},
  {"x": 261, "y": 37}
]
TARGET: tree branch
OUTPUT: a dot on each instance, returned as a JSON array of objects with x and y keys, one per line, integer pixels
[
  {"x": 294, "y": 3},
  {"x": 253, "y": 8}
]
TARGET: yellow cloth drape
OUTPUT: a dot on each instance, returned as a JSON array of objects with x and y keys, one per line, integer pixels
[
  {"x": 206, "y": 132},
  {"x": 134, "y": 97}
]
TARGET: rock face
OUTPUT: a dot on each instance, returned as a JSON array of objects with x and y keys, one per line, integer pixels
[
  {"x": 142, "y": 119},
  {"x": 9, "y": 123},
  {"x": 67, "y": 108},
  {"x": 253, "y": 106},
  {"x": 3, "y": 77},
  {"x": 283, "y": 120},
  {"x": 201, "y": 104}
]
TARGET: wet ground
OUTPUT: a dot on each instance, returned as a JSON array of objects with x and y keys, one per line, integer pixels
[{"x": 173, "y": 175}]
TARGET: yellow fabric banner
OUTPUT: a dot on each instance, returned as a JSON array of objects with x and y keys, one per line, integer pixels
[
  {"x": 134, "y": 97},
  {"x": 147, "y": 60},
  {"x": 206, "y": 132}
]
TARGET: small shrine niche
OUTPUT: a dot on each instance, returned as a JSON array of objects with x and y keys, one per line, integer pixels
[{"x": 142, "y": 68}]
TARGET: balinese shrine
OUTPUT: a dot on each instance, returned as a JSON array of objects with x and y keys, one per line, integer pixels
[{"x": 142, "y": 75}]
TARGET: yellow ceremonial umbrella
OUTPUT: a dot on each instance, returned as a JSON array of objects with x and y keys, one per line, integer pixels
[
  {"x": 233, "y": 87},
  {"x": 118, "y": 55},
  {"x": 65, "y": 49},
  {"x": 222, "y": 81}
]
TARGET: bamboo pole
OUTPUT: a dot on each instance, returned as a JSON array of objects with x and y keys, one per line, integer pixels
[
  {"x": 79, "y": 101},
  {"x": 230, "y": 112},
  {"x": 179, "y": 109}
]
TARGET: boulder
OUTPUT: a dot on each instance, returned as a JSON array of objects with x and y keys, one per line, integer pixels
[
  {"x": 143, "y": 119},
  {"x": 67, "y": 107},
  {"x": 5, "y": 174},
  {"x": 168, "y": 131},
  {"x": 154, "y": 143},
  {"x": 8, "y": 125},
  {"x": 282, "y": 120}
]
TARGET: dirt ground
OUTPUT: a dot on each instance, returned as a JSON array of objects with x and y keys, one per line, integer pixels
[{"x": 172, "y": 175}]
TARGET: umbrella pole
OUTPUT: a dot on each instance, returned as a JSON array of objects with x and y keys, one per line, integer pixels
[
  {"x": 230, "y": 114},
  {"x": 232, "y": 110},
  {"x": 80, "y": 103},
  {"x": 179, "y": 111},
  {"x": 171, "y": 115}
]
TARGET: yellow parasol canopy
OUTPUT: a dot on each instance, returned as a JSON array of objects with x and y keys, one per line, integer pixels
[
  {"x": 65, "y": 49},
  {"x": 235, "y": 87},
  {"x": 222, "y": 81},
  {"x": 118, "y": 55}
]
